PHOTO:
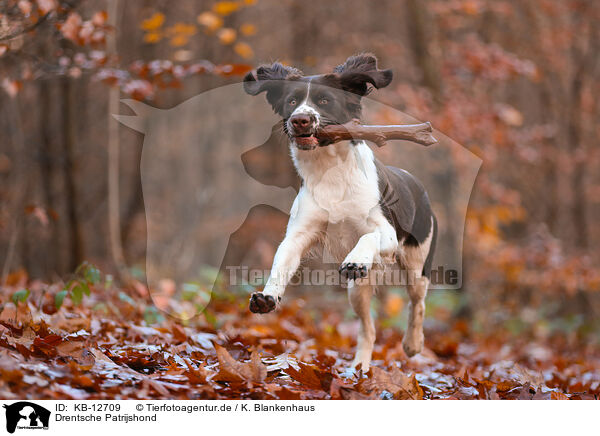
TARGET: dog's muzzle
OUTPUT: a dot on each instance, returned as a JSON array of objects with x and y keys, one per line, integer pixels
[{"x": 302, "y": 129}]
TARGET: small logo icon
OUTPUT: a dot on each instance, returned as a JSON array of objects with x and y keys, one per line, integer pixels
[{"x": 26, "y": 415}]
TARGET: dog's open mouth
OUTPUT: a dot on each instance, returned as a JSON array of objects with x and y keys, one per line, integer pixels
[{"x": 306, "y": 142}]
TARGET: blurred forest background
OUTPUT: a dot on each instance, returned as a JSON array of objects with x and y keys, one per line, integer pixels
[{"x": 514, "y": 82}]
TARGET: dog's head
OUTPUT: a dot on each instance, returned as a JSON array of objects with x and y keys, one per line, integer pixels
[{"x": 307, "y": 103}]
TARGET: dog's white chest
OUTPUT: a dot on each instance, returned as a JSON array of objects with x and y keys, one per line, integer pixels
[{"x": 341, "y": 180}]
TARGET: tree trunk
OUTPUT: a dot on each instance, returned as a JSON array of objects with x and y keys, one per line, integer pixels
[
  {"x": 579, "y": 168},
  {"x": 550, "y": 170},
  {"x": 47, "y": 168},
  {"x": 419, "y": 31},
  {"x": 114, "y": 214},
  {"x": 75, "y": 255}
]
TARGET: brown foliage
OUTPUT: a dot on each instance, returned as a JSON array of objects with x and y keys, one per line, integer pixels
[{"x": 108, "y": 347}]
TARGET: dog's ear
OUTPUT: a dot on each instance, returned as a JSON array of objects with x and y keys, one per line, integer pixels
[
  {"x": 361, "y": 70},
  {"x": 269, "y": 78},
  {"x": 259, "y": 81}
]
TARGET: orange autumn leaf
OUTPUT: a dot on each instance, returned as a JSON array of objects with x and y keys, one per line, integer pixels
[
  {"x": 210, "y": 21},
  {"x": 225, "y": 8},
  {"x": 99, "y": 18},
  {"x": 393, "y": 305},
  {"x": 152, "y": 37},
  {"x": 247, "y": 29},
  {"x": 244, "y": 50},
  {"x": 182, "y": 29},
  {"x": 227, "y": 35},
  {"x": 179, "y": 40},
  {"x": 154, "y": 22}
]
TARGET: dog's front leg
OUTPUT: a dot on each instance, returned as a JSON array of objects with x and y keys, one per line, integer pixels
[
  {"x": 380, "y": 245},
  {"x": 359, "y": 261},
  {"x": 307, "y": 222},
  {"x": 286, "y": 262}
]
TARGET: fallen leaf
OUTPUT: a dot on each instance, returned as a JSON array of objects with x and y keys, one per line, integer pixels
[
  {"x": 395, "y": 382},
  {"x": 306, "y": 374},
  {"x": 230, "y": 369}
]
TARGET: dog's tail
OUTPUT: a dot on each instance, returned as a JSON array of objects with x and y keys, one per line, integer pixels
[{"x": 429, "y": 260}]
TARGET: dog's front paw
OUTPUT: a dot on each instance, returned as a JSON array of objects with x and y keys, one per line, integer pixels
[
  {"x": 261, "y": 303},
  {"x": 353, "y": 271}
]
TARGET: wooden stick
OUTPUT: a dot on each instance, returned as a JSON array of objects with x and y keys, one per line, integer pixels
[{"x": 419, "y": 133}]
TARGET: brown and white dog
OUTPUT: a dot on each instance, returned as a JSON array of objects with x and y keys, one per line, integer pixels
[{"x": 365, "y": 214}]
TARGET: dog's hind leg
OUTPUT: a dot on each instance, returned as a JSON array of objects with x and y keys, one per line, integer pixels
[
  {"x": 415, "y": 260},
  {"x": 360, "y": 299},
  {"x": 414, "y": 338}
]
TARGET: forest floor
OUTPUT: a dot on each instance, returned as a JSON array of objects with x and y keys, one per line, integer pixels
[{"x": 114, "y": 343}]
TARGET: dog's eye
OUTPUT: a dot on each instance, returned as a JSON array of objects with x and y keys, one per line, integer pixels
[
  {"x": 292, "y": 102},
  {"x": 323, "y": 102}
]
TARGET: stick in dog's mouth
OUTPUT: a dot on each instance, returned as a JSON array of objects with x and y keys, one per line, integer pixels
[{"x": 306, "y": 142}]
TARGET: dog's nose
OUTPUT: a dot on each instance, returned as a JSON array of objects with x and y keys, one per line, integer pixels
[{"x": 300, "y": 121}]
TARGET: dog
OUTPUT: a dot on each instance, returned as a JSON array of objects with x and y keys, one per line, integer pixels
[{"x": 366, "y": 214}]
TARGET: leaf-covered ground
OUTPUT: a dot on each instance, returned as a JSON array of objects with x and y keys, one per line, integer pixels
[{"x": 113, "y": 343}]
